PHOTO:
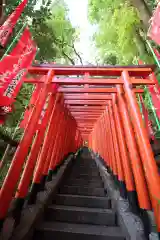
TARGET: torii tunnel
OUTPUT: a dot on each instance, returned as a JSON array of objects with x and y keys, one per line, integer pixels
[{"x": 86, "y": 105}]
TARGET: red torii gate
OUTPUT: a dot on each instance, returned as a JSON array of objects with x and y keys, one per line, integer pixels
[
  {"x": 100, "y": 107},
  {"x": 95, "y": 100}
]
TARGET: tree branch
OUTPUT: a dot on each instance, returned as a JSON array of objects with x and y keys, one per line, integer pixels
[
  {"x": 2, "y": 4},
  {"x": 78, "y": 55},
  {"x": 69, "y": 58},
  {"x": 61, "y": 43}
]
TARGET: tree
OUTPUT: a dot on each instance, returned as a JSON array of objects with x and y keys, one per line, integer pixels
[
  {"x": 55, "y": 35},
  {"x": 144, "y": 11},
  {"x": 65, "y": 34},
  {"x": 116, "y": 36},
  {"x": 2, "y": 4}
]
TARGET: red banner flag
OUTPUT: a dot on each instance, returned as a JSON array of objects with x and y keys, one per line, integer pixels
[
  {"x": 154, "y": 30},
  {"x": 148, "y": 123},
  {"x": 14, "y": 67},
  {"x": 8, "y": 26}
]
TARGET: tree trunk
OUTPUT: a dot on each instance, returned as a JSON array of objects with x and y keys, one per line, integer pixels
[
  {"x": 2, "y": 14},
  {"x": 68, "y": 57},
  {"x": 140, "y": 43},
  {"x": 144, "y": 12}
]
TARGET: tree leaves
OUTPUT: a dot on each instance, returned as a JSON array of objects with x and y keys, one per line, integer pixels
[{"x": 117, "y": 23}]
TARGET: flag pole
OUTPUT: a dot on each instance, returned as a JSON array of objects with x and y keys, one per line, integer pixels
[
  {"x": 153, "y": 53},
  {"x": 14, "y": 40},
  {"x": 140, "y": 104},
  {"x": 153, "y": 109}
]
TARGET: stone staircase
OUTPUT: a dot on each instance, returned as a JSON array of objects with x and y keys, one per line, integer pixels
[{"x": 81, "y": 208}]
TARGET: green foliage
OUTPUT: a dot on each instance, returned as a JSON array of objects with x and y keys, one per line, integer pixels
[
  {"x": 99, "y": 9},
  {"x": 14, "y": 118},
  {"x": 12, "y": 4},
  {"x": 56, "y": 36},
  {"x": 117, "y": 23},
  {"x": 151, "y": 4},
  {"x": 65, "y": 34}
]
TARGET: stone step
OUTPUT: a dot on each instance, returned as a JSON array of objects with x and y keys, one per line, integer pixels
[
  {"x": 83, "y": 201},
  {"x": 80, "y": 190},
  {"x": 90, "y": 184},
  {"x": 84, "y": 215},
  {"x": 60, "y": 230}
]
